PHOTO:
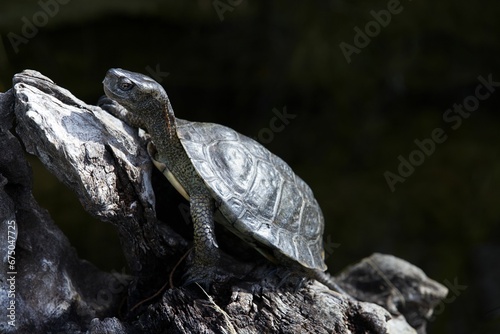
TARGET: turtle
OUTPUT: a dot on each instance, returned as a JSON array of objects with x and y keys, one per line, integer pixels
[{"x": 227, "y": 177}]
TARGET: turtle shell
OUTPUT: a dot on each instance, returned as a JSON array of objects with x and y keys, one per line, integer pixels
[{"x": 258, "y": 196}]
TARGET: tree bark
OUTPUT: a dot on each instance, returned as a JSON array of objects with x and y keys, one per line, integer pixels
[{"x": 45, "y": 287}]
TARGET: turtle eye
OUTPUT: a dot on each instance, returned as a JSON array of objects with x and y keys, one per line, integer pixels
[{"x": 126, "y": 84}]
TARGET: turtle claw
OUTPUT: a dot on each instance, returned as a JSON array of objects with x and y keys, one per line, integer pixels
[
  {"x": 202, "y": 275},
  {"x": 113, "y": 107},
  {"x": 108, "y": 104},
  {"x": 210, "y": 270}
]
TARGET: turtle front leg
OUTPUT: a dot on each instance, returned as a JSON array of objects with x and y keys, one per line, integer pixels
[
  {"x": 119, "y": 111},
  {"x": 203, "y": 269}
]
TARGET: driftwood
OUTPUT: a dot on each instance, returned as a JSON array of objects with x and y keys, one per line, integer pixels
[{"x": 45, "y": 287}]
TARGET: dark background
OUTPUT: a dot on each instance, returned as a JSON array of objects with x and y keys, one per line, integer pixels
[{"x": 353, "y": 119}]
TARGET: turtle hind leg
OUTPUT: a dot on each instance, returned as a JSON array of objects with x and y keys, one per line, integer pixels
[
  {"x": 271, "y": 277},
  {"x": 295, "y": 278},
  {"x": 205, "y": 261},
  {"x": 328, "y": 280}
]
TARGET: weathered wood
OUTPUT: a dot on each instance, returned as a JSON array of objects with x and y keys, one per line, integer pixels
[
  {"x": 105, "y": 163},
  {"x": 43, "y": 285}
]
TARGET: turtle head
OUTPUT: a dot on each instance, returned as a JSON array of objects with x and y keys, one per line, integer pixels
[
  {"x": 138, "y": 93},
  {"x": 145, "y": 100}
]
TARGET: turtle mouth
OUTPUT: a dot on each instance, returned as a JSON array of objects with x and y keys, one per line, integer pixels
[
  {"x": 107, "y": 90},
  {"x": 110, "y": 83}
]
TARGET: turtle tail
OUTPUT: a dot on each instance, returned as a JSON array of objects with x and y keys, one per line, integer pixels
[{"x": 329, "y": 281}]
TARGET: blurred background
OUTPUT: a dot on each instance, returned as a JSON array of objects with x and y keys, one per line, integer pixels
[{"x": 340, "y": 90}]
